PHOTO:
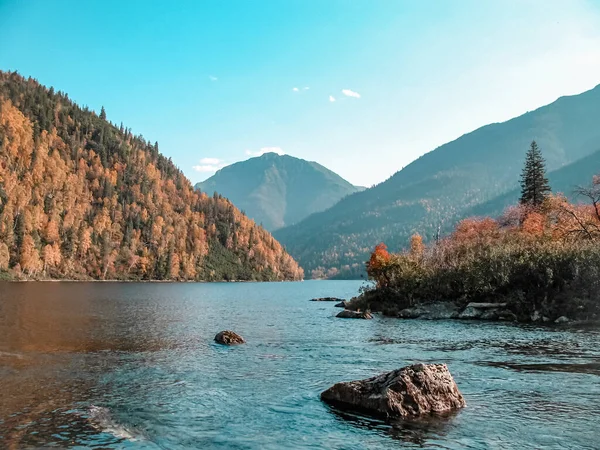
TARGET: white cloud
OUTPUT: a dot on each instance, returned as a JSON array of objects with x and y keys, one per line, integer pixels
[
  {"x": 212, "y": 78},
  {"x": 205, "y": 168},
  {"x": 211, "y": 161},
  {"x": 331, "y": 98},
  {"x": 264, "y": 150},
  {"x": 295, "y": 89},
  {"x": 209, "y": 165},
  {"x": 306, "y": 88},
  {"x": 350, "y": 93}
]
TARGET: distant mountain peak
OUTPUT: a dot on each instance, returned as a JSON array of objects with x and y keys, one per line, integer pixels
[
  {"x": 278, "y": 190},
  {"x": 271, "y": 155}
]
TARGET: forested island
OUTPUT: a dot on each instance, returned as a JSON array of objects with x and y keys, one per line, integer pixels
[
  {"x": 539, "y": 261},
  {"x": 83, "y": 198}
]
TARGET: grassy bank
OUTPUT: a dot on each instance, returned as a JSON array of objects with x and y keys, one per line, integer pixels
[{"x": 5, "y": 276}]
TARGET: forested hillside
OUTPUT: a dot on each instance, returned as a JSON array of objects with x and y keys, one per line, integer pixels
[
  {"x": 278, "y": 190},
  {"x": 82, "y": 198},
  {"x": 443, "y": 186}
]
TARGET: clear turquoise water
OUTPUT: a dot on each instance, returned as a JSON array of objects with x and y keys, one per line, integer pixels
[{"x": 116, "y": 365}]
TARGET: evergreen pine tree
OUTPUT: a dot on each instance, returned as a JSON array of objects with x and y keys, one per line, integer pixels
[
  {"x": 534, "y": 184},
  {"x": 103, "y": 113}
]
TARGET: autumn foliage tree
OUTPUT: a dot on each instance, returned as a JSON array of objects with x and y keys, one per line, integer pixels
[{"x": 378, "y": 263}]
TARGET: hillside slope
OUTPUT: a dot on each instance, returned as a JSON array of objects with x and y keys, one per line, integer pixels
[
  {"x": 439, "y": 187},
  {"x": 82, "y": 198},
  {"x": 278, "y": 190}
]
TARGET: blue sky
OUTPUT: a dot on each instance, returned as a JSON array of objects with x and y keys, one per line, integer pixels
[{"x": 213, "y": 81}]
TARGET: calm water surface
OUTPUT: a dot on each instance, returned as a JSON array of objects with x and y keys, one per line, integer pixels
[{"x": 116, "y": 365}]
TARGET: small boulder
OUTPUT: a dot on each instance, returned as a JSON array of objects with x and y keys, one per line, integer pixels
[
  {"x": 507, "y": 315},
  {"x": 490, "y": 314},
  {"x": 229, "y": 338},
  {"x": 486, "y": 305},
  {"x": 347, "y": 314},
  {"x": 561, "y": 319},
  {"x": 411, "y": 313},
  {"x": 327, "y": 299},
  {"x": 341, "y": 304},
  {"x": 483, "y": 311},
  {"x": 411, "y": 391}
]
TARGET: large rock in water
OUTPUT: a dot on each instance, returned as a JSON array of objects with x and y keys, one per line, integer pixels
[
  {"x": 229, "y": 338},
  {"x": 348, "y": 314},
  {"x": 327, "y": 299},
  {"x": 411, "y": 391}
]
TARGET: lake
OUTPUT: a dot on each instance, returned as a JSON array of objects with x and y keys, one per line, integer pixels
[{"x": 133, "y": 365}]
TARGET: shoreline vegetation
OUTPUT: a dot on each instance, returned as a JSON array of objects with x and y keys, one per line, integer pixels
[
  {"x": 539, "y": 261},
  {"x": 20, "y": 279}
]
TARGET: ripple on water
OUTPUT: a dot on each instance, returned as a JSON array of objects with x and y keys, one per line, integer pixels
[
  {"x": 592, "y": 368},
  {"x": 143, "y": 355}
]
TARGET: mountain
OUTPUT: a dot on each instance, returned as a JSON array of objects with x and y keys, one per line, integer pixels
[
  {"x": 443, "y": 185},
  {"x": 82, "y": 198},
  {"x": 278, "y": 190}
]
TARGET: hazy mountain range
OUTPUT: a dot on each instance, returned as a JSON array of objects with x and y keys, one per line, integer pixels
[
  {"x": 476, "y": 173},
  {"x": 278, "y": 190}
]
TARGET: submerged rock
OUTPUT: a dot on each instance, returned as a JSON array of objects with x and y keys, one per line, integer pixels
[
  {"x": 384, "y": 340},
  {"x": 347, "y": 314},
  {"x": 327, "y": 299},
  {"x": 101, "y": 419},
  {"x": 229, "y": 338},
  {"x": 341, "y": 304},
  {"x": 411, "y": 391}
]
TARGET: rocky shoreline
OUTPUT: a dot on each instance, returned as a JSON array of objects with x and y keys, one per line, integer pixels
[
  {"x": 472, "y": 311},
  {"x": 448, "y": 310}
]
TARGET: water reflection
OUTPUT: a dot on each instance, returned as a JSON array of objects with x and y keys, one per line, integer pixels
[
  {"x": 592, "y": 368},
  {"x": 57, "y": 317},
  {"x": 418, "y": 431},
  {"x": 535, "y": 347}
]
